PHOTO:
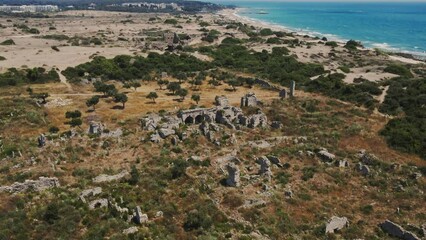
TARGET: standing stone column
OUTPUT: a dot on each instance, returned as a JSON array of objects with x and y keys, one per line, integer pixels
[
  {"x": 233, "y": 179},
  {"x": 292, "y": 88},
  {"x": 41, "y": 140}
]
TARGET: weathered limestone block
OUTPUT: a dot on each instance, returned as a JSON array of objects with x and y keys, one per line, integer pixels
[
  {"x": 155, "y": 137},
  {"x": 335, "y": 224},
  {"x": 265, "y": 167},
  {"x": 95, "y": 128},
  {"x": 363, "y": 169},
  {"x": 258, "y": 120},
  {"x": 233, "y": 179},
  {"x": 221, "y": 101},
  {"x": 396, "y": 230},
  {"x": 139, "y": 217},
  {"x": 249, "y": 100},
  {"x": 325, "y": 156},
  {"x": 130, "y": 230},
  {"x": 165, "y": 132}
]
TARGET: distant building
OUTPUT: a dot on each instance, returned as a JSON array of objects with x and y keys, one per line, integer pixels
[{"x": 29, "y": 8}]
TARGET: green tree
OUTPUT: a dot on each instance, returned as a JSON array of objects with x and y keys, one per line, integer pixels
[
  {"x": 73, "y": 114},
  {"x": 152, "y": 96},
  {"x": 91, "y": 102},
  {"x": 233, "y": 83},
  {"x": 162, "y": 83},
  {"x": 173, "y": 87},
  {"x": 181, "y": 76},
  {"x": 75, "y": 122},
  {"x": 134, "y": 176},
  {"x": 132, "y": 84},
  {"x": 196, "y": 98},
  {"x": 121, "y": 98},
  {"x": 106, "y": 89},
  {"x": 182, "y": 93}
]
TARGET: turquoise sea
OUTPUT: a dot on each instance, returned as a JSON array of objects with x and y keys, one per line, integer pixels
[{"x": 399, "y": 27}]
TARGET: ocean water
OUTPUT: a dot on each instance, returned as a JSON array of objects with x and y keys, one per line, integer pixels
[{"x": 399, "y": 27}]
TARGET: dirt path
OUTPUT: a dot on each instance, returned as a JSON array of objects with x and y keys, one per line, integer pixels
[{"x": 64, "y": 80}]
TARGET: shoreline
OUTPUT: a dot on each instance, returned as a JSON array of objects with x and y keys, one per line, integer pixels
[{"x": 232, "y": 14}]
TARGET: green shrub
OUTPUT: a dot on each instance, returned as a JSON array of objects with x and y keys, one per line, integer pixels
[
  {"x": 352, "y": 45},
  {"x": 266, "y": 32},
  {"x": 8, "y": 42},
  {"x": 331, "y": 44},
  {"x": 399, "y": 70},
  {"x": 345, "y": 69},
  {"x": 274, "y": 40},
  {"x": 308, "y": 173},
  {"x": 171, "y": 21}
]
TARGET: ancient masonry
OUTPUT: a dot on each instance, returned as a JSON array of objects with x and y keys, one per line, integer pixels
[{"x": 230, "y": 116}]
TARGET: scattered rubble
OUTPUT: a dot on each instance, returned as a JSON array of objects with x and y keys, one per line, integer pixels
[
  {"x": 41, "y": 184},
  {"x": 109, "y": 178},
  {"x": 90, "y": 192},
  {"x": 98, "y": 203},
  {"x": 130, "y": 230}
]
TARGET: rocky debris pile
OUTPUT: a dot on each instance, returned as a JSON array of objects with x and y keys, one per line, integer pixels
[
  {"x": 232, "y": 117},
  {"x": 130, "y": 230},
  {"x": 367, "y": 158},
  {"x": 89, "y": 193},
  {"x": 250, "y": 203},
  {"x": 396, "y": 230},
  {"x": 336, "y": 223},
  {"x": 58, "y": 102},
  {"x": 109, "y": 178},
  {"x": 150, "y": 122},
  {"x": 249, "y": 100},
  {"x": 98, "y": 203},
  {"x": 41, "y": 184},
  {"x": 274, "y": 160},
  {"x": 259, "y": 144},
  {"x": 233, "y": 179}
]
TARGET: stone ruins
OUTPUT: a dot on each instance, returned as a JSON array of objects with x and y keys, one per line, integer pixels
[
  {"x": 41, "y": 184},
  {"x": 229, "y": 116}
]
